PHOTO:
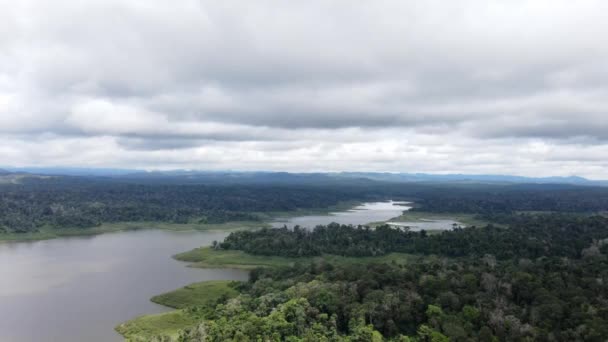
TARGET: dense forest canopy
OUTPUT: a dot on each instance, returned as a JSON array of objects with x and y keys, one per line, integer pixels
[
  {"x": 86, "y": 202},
  {"x": 529, "y": 236},
  {"x": 543, "y": 279},
  {"x": 539, "y": 274}
]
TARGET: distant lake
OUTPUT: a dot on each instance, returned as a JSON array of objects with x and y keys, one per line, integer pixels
[
  {"x": 363, "y": 214},
  {"x": 79, "y": 288}
]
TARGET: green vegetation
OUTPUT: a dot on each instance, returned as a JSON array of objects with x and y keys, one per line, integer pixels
[
  {"x": 197, "y": 294},
  {"x": 207, "y": 257},
  {"x": 191, "y": 300},
  {"x": 543, "y": 278},
  {"x": 529, "y": 236},
  {"x": 540, "y": 274},
  {"x": 426, "y": 300},
  {"x": 340, "y": 206},
  {"x": 37, "y": 204},
  {"x": 60, "y": 203},
  {"x": 160, "y": 327}
]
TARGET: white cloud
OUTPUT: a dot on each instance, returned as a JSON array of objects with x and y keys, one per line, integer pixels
[{"x": 469, "y": 86}]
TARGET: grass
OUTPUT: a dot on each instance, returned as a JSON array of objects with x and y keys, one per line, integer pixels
[
  {"x": 197, "y": 294},
  {"x": 169, "y": 324},
  {"x": 207, "y": 257}
]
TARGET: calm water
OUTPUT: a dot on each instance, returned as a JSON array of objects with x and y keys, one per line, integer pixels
[
  {"x": 79, "y": 289},
  {"x": 363, "y": 214}
]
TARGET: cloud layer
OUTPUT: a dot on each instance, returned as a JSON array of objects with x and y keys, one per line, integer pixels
[{"x": 474, "y": 86}]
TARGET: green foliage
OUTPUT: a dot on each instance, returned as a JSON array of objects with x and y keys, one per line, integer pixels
[
  {"x": 529, "y": 236},
  {"x": 84, "y": 203},
  {"x": 161, "y": 327},
  {"x": 74, "y": 202},
  {"x": 428, "y": 334},
  {"x": 208, "y": 257},
  {"x": 559, "y": 295},
  {"x": 205, "y": 293}
]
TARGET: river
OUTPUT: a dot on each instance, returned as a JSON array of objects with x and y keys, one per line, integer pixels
[{"x": 79, "y": 288}]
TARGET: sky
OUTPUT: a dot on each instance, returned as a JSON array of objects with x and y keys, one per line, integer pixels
[{"x": 500, "y": 87}]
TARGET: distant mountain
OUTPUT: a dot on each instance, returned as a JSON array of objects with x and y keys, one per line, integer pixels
[
  {"x": 463, "y": 178},
  {"x": 187, "y": 176},
  {"x": 236, "y": 177},
  {"x": 271, "y": 177},
  {"x": 70, "y": 171}
]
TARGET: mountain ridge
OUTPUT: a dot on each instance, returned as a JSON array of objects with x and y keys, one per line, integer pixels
[{"x": 230, "y": 176}]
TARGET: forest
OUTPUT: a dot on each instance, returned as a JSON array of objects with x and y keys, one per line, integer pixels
[
  {"x": 543, "y": 279},
  {"x": 81, "y": 202},
  {"x": 530, "y": 236},
  {"x": 26, "y": 208},
  {"x": 537, "y": 273}
]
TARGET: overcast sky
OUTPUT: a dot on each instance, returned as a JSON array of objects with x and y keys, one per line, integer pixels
[{"x": 508, "y": 87}]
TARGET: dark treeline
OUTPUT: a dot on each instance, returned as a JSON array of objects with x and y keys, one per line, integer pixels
[
  {"x": 529, "y": 236},
  {"x": 85, "y": 202},
  {"x": 489, "y": 200},
  {"x": 27, "y": 208}
]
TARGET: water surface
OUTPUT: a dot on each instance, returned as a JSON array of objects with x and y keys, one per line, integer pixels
[
  {"x": 363, "y": 214},
  {"x": 78, "y": 289}
]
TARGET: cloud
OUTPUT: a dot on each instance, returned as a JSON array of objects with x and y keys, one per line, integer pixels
[{"x": 385, "y": 85}]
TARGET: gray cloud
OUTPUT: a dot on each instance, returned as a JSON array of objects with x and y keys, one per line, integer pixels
[{"x": 474, "y": 86}]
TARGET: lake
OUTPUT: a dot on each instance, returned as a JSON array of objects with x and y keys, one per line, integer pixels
[
  {"x": 362, "y": 214},
  {"x": 80, "y": 288}
]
